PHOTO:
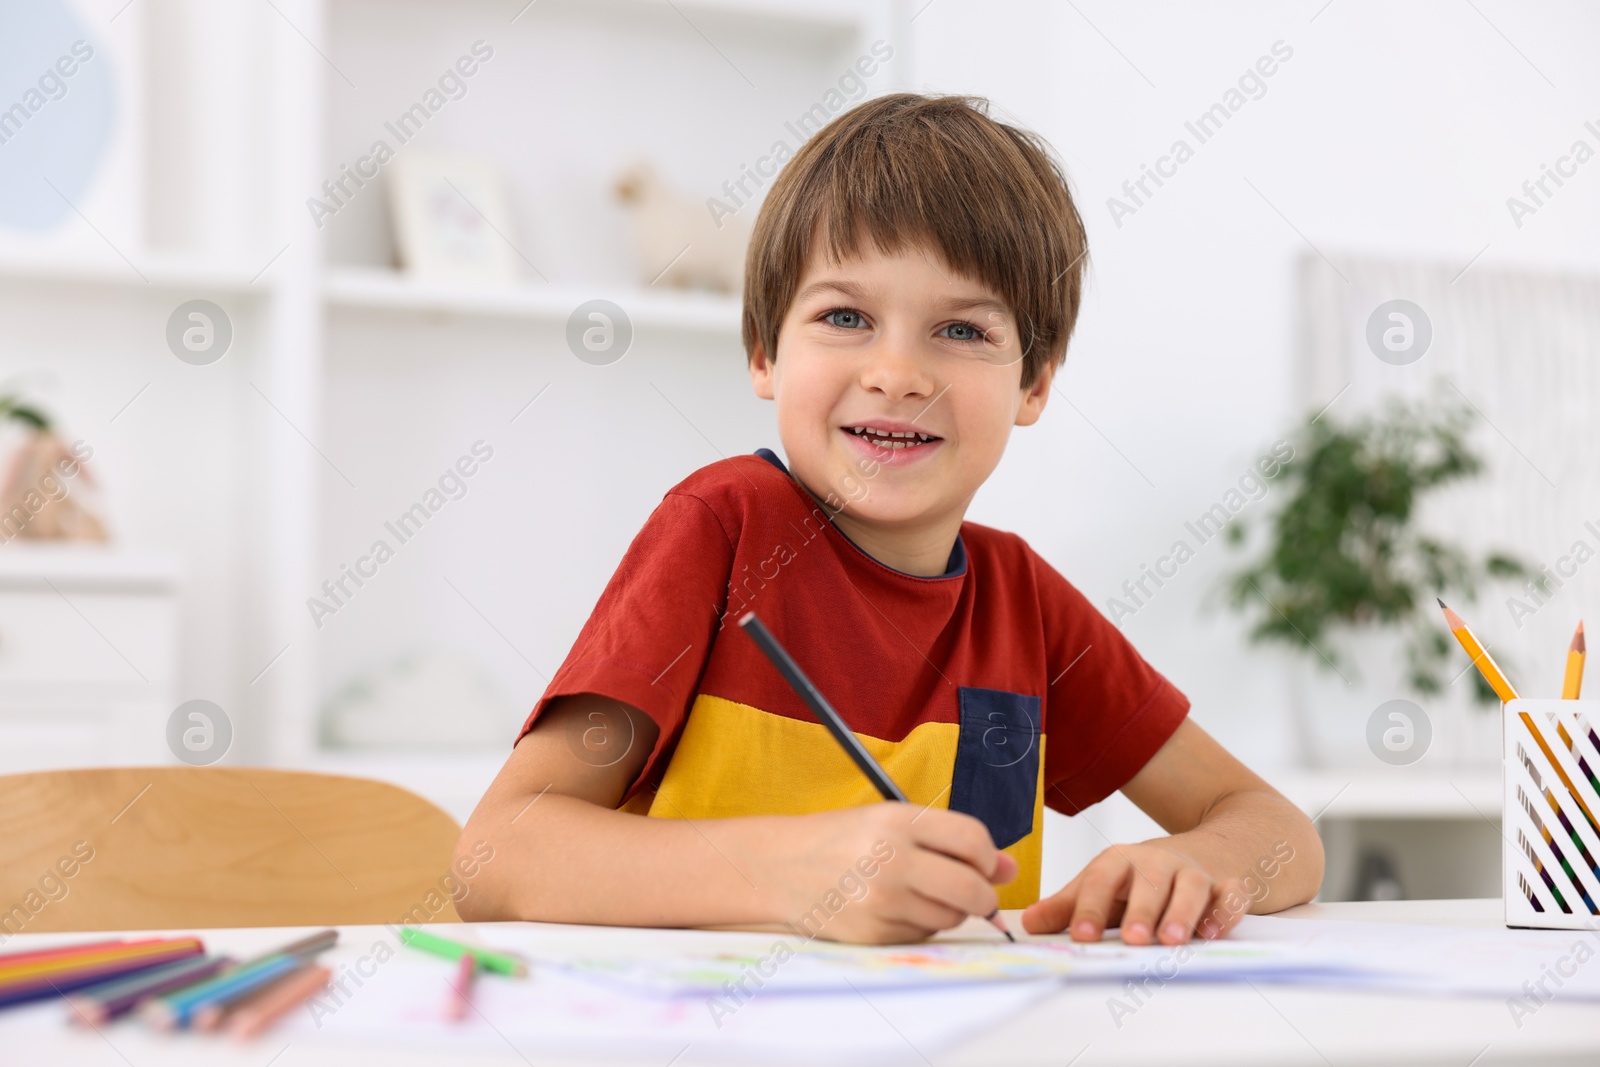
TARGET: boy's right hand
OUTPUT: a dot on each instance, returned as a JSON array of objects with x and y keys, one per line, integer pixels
[{"x": 883, "y": 873}]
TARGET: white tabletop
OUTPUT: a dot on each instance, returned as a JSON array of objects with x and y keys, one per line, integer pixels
[{"x": 1185, "y": 1024}]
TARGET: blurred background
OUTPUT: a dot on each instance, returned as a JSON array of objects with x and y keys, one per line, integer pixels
[{"x": 285, "y": 281}]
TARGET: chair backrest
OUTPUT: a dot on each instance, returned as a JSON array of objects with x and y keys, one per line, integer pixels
[{"x": 160, "y": 848}]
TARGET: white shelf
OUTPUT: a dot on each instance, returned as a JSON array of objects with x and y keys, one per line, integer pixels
[
  {"x": 386, "y": 290},
  {"x": 25, "y": 565},
  {"x": 149, "y": 273},
  {"x": 1469, "y": 794}
]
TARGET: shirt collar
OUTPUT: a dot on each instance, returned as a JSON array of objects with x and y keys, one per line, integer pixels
[{"x": 956, "y": 565}]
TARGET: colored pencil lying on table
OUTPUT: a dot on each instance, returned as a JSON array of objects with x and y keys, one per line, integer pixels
[
  {"x": 105, "y": 1001},
  {"x": 494, "y": 962},
  {"x": 178, "y": 1009},
  {"x": 260, "y": 1011},
  {"x": 460, "y": 1001},
  {"x": 55, "y": 962},
  {"x": 216, "y": 1011},
  {"x": 67, "y": 974},
  {"x": 807, "y": 691},
  {"x": 9, "y": 959}
]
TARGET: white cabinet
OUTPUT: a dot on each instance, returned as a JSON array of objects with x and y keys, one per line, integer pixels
[{"x": 88, "y": 657}]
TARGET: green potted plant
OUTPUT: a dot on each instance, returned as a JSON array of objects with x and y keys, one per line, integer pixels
[{"x": 1343, "y": 563}]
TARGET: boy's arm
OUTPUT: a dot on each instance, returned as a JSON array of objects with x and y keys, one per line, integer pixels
[
  {"x": 1237, "y": 846},
  {"x": 563, "y": 853}
]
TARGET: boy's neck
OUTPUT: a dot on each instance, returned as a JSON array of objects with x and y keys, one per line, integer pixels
[{"x": 923, "y": 549}]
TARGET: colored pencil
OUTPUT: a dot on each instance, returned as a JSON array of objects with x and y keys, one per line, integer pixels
[
  {"x": 460, "y": 1001},
  {"x": 813, "y": 699},
  {"x": 9, "y": 959},
  {"x": 63, "y": 963},
  {"x": 211, "y": 1014},
  {"x": 309, "y": 945},
  {"x": 265, "y": 1008},
  {"x": 1571, "y": 689},
  {"x": 1572, "y": 685},
  {"x": 494, "y": 962},
  {"x": 108, "y": 1000},
  {"x": 177, "y": 1009},
  {"x": 50, "y": 984},
  {"x": 180, "y": 1009},
  {"x": 1480, "y": 656}
]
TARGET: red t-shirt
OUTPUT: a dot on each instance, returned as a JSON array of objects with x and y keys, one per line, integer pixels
[{"x": 955, "y": 683}]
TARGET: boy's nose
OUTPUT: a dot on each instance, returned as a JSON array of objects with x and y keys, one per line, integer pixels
[{"x": 896, "y": 370}]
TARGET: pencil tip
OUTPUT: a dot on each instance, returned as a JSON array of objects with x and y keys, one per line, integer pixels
[
  {"x": 1441, "y": 603},
  {"x": 1010, "y": 938}
]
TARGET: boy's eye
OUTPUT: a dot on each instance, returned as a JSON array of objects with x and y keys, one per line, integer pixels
[
  {"x": 844, "y": 318},
  {"x": 964, "y": 331}
]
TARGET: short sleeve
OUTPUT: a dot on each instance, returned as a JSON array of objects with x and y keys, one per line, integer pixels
[
  {"x": 647, "y": 641},
  {"x": 1107, "y": 711}
]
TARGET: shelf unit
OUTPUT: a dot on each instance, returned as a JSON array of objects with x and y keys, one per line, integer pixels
[{"x": 318, "y": 302}]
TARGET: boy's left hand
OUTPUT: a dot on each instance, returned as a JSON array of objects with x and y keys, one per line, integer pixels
[{"x": 1154, "y": 892}]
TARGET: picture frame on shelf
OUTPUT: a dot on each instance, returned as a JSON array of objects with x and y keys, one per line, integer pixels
[{"x": 452, "y": 219}]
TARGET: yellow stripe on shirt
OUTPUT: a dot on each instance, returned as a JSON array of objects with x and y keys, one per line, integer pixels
[{"x": 735, "y": 760}]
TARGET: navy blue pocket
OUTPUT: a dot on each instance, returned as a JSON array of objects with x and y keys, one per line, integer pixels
[{"x": 996, "y": 775}]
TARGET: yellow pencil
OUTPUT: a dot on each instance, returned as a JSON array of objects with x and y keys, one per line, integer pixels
[
  {"x": 1573, "y": 684},
  {"x": 1480, "y": 656}
]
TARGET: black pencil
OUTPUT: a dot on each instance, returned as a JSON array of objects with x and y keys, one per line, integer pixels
[{"x": 830, "y": 718}]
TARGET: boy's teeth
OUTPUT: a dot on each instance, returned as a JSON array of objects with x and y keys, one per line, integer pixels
[{"x": 892, "y": 439}]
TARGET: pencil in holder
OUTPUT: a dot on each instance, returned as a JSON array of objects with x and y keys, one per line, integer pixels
[{"x": 1551, "y": 815}]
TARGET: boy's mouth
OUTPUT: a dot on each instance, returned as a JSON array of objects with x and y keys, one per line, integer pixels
[{"x": 893, "y": 440}]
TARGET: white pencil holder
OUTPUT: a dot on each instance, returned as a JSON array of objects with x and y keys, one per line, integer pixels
[{"x": 1551, "y": 814}]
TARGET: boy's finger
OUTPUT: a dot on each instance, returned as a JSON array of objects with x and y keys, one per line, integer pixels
[
  {"x": 926, "y": 912},
  {"x": 1099, "y": 897},
  {"x": 1051, "y": 915},
  {"x": 950, "y": 882},
  {"x": 1148, "y": 892},
  {"x": 891, "y": 932},
  {"x": 958, "y": 836},
  {"x": 1191, "y": 892},
  {"x": 1228, "y": 905},
  {"x": 873, "y": 930}
]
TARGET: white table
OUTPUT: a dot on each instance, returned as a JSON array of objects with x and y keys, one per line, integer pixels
[{"x": 1193, "y": 1024}]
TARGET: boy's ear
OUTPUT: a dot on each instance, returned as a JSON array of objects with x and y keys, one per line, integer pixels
[
  {"x": 1035, "y": 396},
  {"x": 761, "y": 373}
]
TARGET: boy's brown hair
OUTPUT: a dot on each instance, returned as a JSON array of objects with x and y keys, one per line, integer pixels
[{"x": 908, "y": 169}]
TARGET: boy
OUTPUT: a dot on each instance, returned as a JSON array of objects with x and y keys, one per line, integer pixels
[{"x": 912, "y": 281}]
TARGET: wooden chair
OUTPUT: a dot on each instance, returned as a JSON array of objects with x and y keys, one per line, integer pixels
[{"x": 160, "y": 848}]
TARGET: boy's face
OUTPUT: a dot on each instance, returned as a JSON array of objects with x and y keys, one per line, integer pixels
[{"x": 899, "y": 344}]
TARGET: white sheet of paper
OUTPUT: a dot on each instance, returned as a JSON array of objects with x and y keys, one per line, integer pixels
[{"x": 403, "y": 1004}]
